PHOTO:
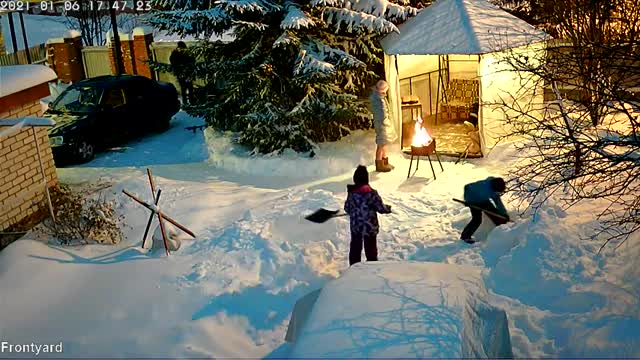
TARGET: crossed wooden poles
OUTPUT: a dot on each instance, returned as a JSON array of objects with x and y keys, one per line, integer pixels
[{"x": 155, "y": 211}]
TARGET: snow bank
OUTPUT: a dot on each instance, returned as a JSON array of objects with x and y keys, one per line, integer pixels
[
  {"x": 16, "y": 78},
  {"x": 175, "y": 146},
  {"x": 404, "y": 310},
  {"x": 332, "y": 158},
  {"x": 562, "y": 296}
]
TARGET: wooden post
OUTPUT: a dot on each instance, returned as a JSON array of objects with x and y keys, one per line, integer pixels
[
  {"x": 116, "y": 40},
  {"x": 146, "y": 230},
  {"x": 14, "y": 43},
  {"x": 24, "y": 38},
  {"x": 44, "y": 176},
  {"x": 164, "y": 216}
]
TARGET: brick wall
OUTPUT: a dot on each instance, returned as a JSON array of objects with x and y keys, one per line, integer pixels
[
  {"x": 128, "y": 57},
  {"x": 23, "y": 103},
  {"x": 135, "y": 55},
  {"x": 142, "y": 54},
  {"x": 64, "y": 56},
  {"x": 21, "y": 183}
]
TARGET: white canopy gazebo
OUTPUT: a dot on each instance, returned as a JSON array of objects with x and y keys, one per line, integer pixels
[{"x": 464, "y": 40}]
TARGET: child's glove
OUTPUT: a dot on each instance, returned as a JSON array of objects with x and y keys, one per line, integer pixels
[{"x": 388, "y": 209}]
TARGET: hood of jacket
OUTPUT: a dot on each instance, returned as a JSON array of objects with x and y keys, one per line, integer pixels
[{"x": 359, "y": 189}]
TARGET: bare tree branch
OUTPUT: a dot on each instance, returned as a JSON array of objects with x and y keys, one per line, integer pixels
[{"x": 582, "y": 142}]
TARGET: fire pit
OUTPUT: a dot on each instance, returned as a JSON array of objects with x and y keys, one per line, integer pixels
[
  {"x": 423, "y": 145},
  {"x": 424, "y": 150}
]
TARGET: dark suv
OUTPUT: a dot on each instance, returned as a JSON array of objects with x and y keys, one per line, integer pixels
[{"x": 97, "y": 113}]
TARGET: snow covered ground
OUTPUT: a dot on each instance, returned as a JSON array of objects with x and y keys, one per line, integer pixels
[{"x": 230, "y": 292}]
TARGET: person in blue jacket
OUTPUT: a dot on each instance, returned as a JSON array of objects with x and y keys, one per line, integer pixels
[{"x": 484, "y": 194}]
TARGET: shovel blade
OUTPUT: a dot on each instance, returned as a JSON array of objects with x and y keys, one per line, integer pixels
[{"x": 322, "y": 215}]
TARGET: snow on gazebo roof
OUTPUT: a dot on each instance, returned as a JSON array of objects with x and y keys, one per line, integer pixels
[{"x": 462, "y": 27}]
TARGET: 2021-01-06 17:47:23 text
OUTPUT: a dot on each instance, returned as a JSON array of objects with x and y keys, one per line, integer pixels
[{"x": 77, "y": 5}]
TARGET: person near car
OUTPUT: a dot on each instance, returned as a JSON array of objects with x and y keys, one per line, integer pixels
[
  {"x": 363, "y": 205},
  {"x": 484, "y": 195},
  {"x": 385, "y": 133},
  {"x": 182, "y": 64}
]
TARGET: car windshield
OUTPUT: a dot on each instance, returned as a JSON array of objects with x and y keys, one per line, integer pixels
[{"x": 78, "y": 100}]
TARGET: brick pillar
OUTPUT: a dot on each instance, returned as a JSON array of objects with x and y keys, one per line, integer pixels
[
  {"x": 112, "y": 57},
  {"x": 127, "y": 51},
  {"x": 142, "y": 50},
  {"x": 76, "y": 66},
  {"x": 128, "y": 56},
  {"x": 64, "y": 56}
]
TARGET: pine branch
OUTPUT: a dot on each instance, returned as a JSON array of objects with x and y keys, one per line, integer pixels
[
  {"x": 357, "y": 22},
  {"x": 296, "y": 19}
]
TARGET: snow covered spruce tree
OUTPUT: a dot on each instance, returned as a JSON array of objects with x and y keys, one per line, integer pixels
[
  {"x": 584, "y": 141},
  {"x": 293, "y": 73}
]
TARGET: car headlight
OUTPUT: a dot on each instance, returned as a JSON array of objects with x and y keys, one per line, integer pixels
[{"x": 56, "y": 141}]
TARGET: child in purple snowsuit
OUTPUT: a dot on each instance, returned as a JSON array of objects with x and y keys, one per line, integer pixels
[{"x": 363, "y": 203}]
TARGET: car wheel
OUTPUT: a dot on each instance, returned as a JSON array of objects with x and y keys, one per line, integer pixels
[{"x": 85, "y": 151}]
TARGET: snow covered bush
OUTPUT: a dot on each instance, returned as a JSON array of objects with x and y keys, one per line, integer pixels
[
  {"x": 295, "y": 72},
  {"x": 81, "y": 219}
]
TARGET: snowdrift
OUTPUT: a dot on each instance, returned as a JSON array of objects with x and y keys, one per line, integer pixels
[{"x": 401, "y": 310}]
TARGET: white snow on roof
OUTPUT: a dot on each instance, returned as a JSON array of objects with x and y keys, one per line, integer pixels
[
  {"x": 141, "y": 31},
  {"x": 72, "y": 33},
  {"x": 27, "y": 121},
  {"x": 21, "y": 77},
  {"x": 403, "y": 310},
  {"x": 460, "y": 27},
  {"x": 16, "y": 124}
]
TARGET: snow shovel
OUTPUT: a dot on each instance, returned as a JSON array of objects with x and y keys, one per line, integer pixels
[
  {"x": 488, "y": 212},
  {"x": 322, "y": 215}
]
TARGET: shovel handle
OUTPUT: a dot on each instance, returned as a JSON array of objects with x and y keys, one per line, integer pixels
[{"x": 488, "y": 212}]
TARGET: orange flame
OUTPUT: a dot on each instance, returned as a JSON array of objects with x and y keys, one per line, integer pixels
[{"x": 421, "y": 136}]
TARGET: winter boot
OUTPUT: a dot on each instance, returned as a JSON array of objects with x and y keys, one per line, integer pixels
[
  {"x": 381, "y": 167},
  {"x": 386, "y": 162},
  {"x": 469, "y": 241}
]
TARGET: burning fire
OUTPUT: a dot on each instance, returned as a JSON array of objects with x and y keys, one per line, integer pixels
[{"x": 421, "y": 136}]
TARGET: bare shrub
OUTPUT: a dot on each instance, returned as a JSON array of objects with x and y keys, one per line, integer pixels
[
  {"x": 583, "y": 141},
  {"x": 81, "y": 219}
]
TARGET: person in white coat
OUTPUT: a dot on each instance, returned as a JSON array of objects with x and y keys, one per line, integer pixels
[{"x": 385, "y": 133}]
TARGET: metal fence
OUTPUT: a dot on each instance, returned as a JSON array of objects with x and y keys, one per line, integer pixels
[
  {"x": 96, "y": 61},
  {"x": 38, "y": 55}
]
